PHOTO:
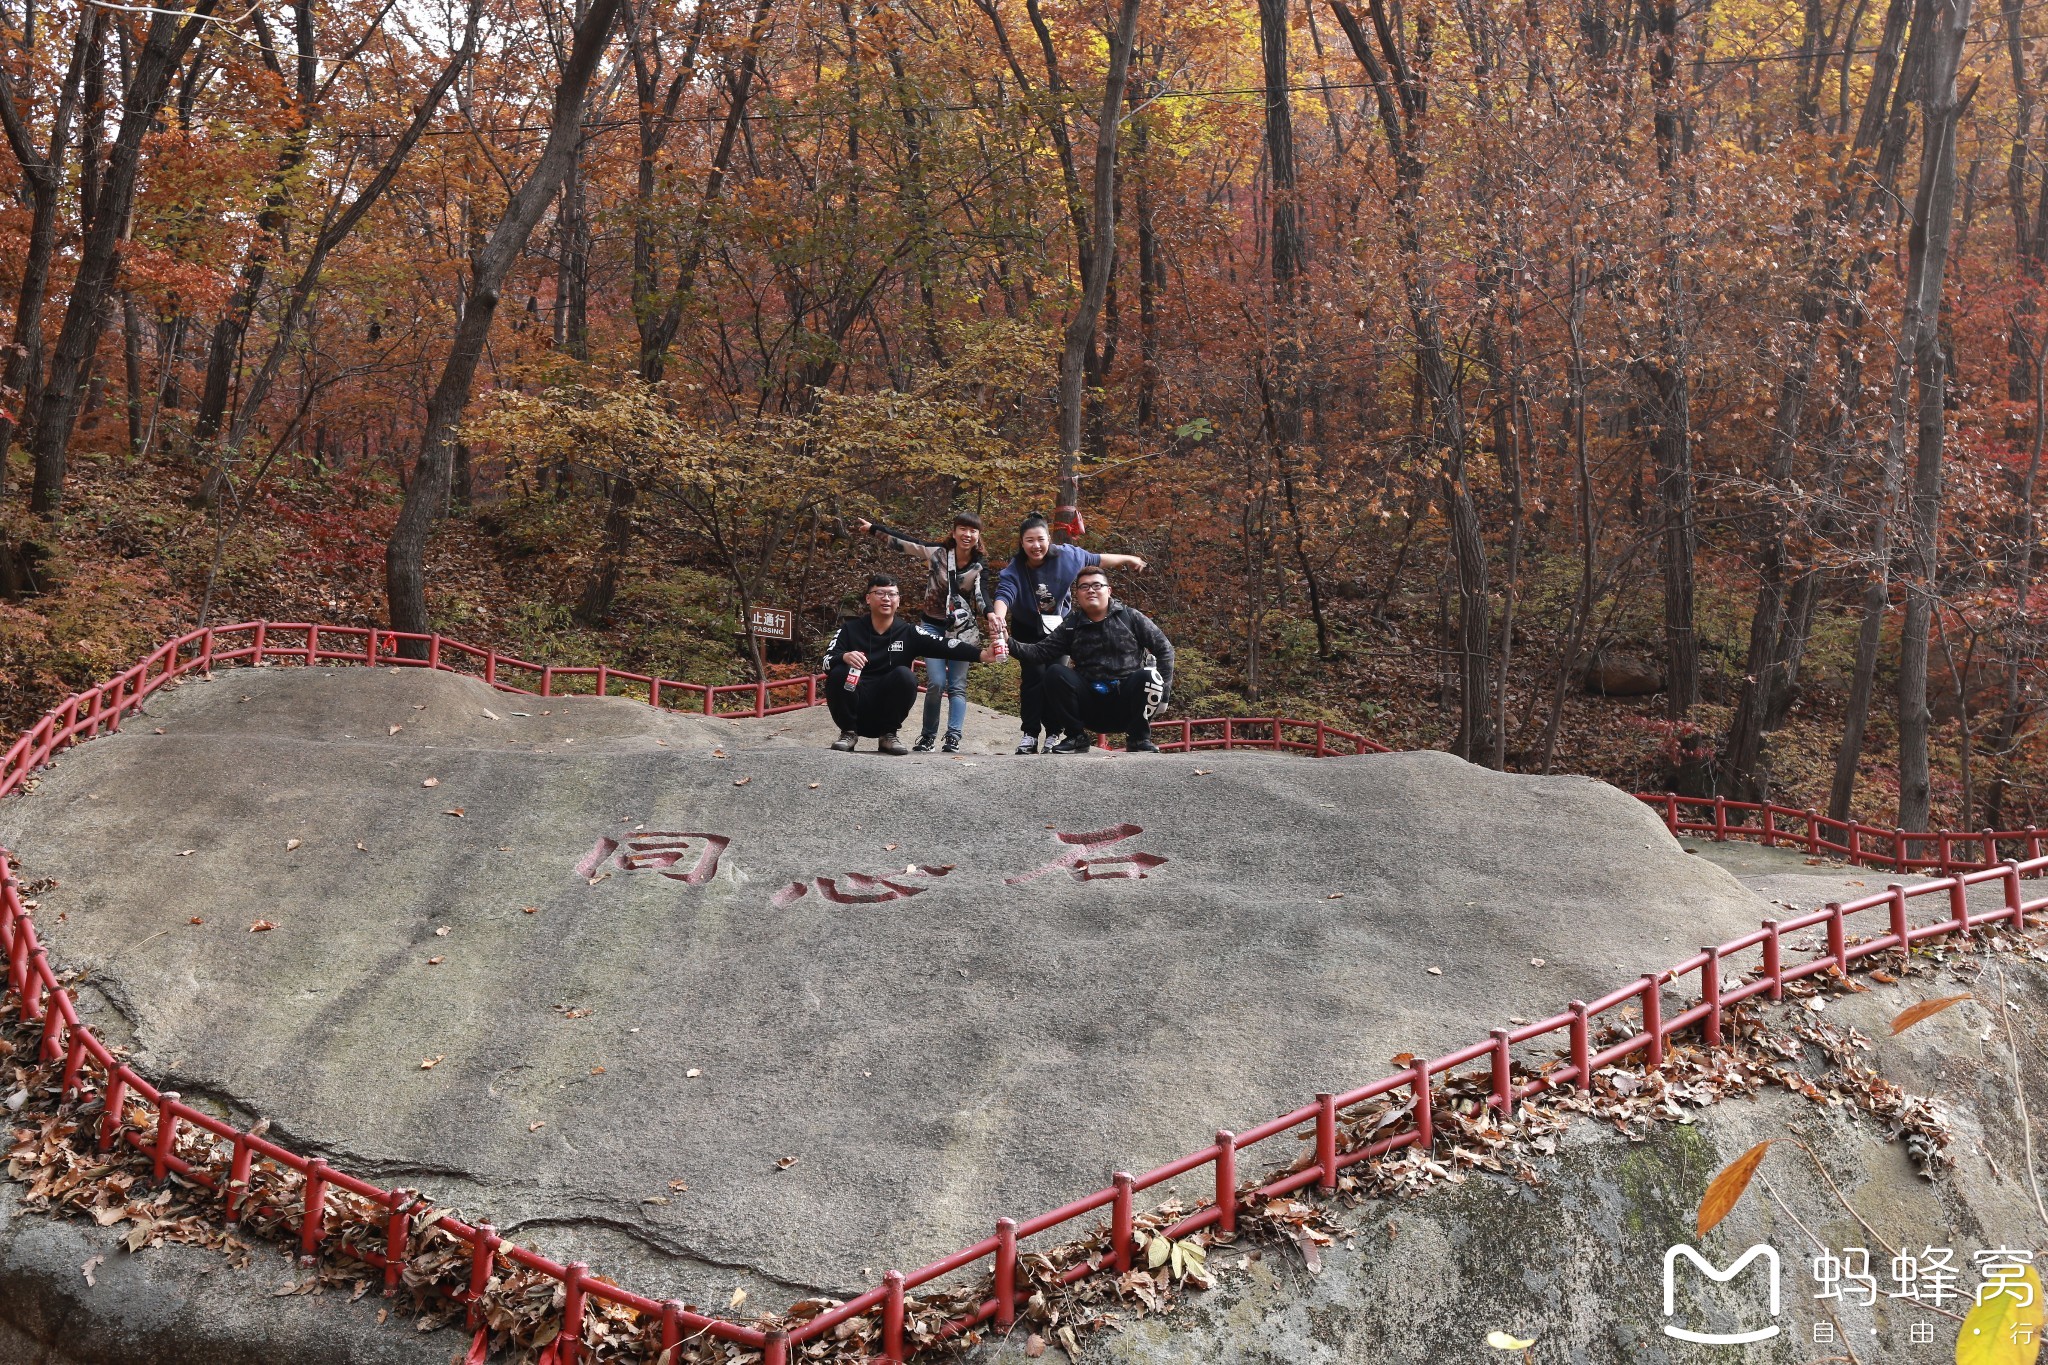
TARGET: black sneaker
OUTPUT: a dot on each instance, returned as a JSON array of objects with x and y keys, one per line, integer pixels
[
  {"x": 1072, "y": 744},
  {"x": 847, "y": 739},
  {"x": 952, "y": 744},
  {"x": 1141, "y": 746},
  {"x": 1029, "y": 746},
  {"x": 925, "y": 742}
]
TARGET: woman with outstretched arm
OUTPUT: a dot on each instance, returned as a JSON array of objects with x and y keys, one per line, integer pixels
[{"x": 955, "y": 598}]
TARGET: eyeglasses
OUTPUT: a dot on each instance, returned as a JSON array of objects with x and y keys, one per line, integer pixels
[
  {"x": 884, "y": 592},
  {"x": 1091, "y": 587}
]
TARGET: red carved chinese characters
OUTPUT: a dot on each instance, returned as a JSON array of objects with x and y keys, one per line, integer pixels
[
  {"x": 1080, "y": 859},
  {"x": 857, "y": 888},
  {"x": 658, "y": 851}
]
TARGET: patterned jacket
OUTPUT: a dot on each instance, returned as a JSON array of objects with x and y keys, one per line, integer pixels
[{"x": 955, "y": 595}]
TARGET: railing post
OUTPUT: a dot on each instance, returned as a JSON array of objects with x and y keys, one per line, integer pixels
[
  {"x": 1581, "y": 1045},
  {"x": 570, "y": 1343},
  {"x": 604, "y": 678},
  {"x": 892, "y": 1319},
  {"x": 1942, "y": 860},
  {"x": 434, "y": 650},
  {"x": 238, "y": 1178},
  {"x": 491, "y": 668},
  {"x": 166, "y": 1133},
  {"x": 1671, "y": 812},
  {"x": 1812, "y": 830},
  {"x": 32, "y": 984},
  {"x": 1653, "y": 1019},
  {"x": 1774, "y": 959},
  {"x": 547, "y": 680},
  {"x": 1900, "y": 929},
  {"x": 1710, "y": 991},
  {"x": 1720, "y": 819},
  {"x": 312, "y": 644},
  {"x": 74, "y": 1061},
  {"x": 316, "y": 1211},
  {"x": 256, "y": 657},
  {"x": 1838, "y": 938},
  {"x": 1855, "y": 854},
  {"x": 397, "y": 1235},
  {"x": 1770, "y": 831},
  {"x": 2033, "y": 842},
  {"x": 1425, "y": 1105},
  {"x": 775, "y": 1347},
  {"x": 483, "y": 1256},
  {"x": 1120, "y": 1220},
  {"x": 1226, "y": 1181},
  {"x": 1503, "y": 1097},
  {"x": 672, "y": 1331},
  {"x": 1899, "y": 859},
  {"x": 1006, "y": 1271},
  {"x": 1326, "y": 1141},
  {"x": 2014, "y": 902},
  {"x": 1959, "y": 906},
  {"x": 1990, "y": 837},
  {"x": 112, "y": 1117}
]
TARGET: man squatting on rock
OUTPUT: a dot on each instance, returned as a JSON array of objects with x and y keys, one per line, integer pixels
[
  {"x": 880, "y": 646},
  {"x": 1104, "y": 689},
  {"x": 1033, "y": 592}
]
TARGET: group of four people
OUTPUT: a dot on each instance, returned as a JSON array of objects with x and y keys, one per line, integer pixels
[{"x": 1083, "y": 653}]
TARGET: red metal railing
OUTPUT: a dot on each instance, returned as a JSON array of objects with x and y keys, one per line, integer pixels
[
  {"x": 151, "y": 1121},
  {"x": 1846, "y": 840}
]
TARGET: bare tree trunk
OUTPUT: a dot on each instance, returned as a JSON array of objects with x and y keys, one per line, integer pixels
[
  {"x": 43, "y": 173},
  {"x": 1933, "y": 218},
  {"x": 1079, "y": 337},
  {"x": 170, "y": 35},
  {"x": 427, "y": 491}
]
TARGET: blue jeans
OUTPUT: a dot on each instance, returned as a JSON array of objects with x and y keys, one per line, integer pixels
[{"x": 948, "y": 678}]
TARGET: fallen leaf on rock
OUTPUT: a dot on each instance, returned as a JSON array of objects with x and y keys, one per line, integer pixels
[
  {"x": 291, "y": 844},
  {"x": 435, "y": 961},
  {"x": 1535, "y": 962},
  {"x": 888, "y": 848},
  {"x": 159, "y": 729},
  {"x": 188, "y": 852},
  {"x": 742, "y": 781},
  {"x": 96, "y": 1261},
  {"x": 429, "y": 1063},
  {"x": 1334, "y": 896},
  {"x": 597, "y": 1071},
  {"x": 1501, "y": 1341},
  {"x": 489, "y": 714},
  {"x": 576, "y": 1014},
  {"x": 739, "y": 1296},
  {"x": 1727, "y": 1187},
  {"x": 455, "y": 811},
  {"x": 814, "y": 786},
  {"x": 530, "y": 909},
  {"x": 1435, "y": 971},
  {"x": 677, "y": 1186},
  {"x": 1034, "y": 1346},
  {"x": 536, "y": 1125},
  {"x": 1926, "y": 1009},
  {"x": 394, "y": 729},
  {"x": 655, "y": 1199},
  {"x": 441, "y": 932},
  {"x": 693, "y": 1073},
  {"x": 261, "y": 925},
  {"x": 360, "y": 848},
  {"x": 431, "y": 782},
  {"x": 785, "y": 1163},
  {"x": 383, "y": 1315},
  {"x": 1203, "y": 772},
  {"x": 195, "y": 920}
]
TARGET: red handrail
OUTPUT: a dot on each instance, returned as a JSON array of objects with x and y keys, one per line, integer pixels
[{"x": 99, "y": 710}]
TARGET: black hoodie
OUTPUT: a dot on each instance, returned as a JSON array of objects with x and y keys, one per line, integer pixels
[{"x": 903, "y": 641}]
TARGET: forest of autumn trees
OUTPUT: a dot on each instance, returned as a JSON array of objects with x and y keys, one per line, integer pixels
[{"x": 1541, "y": 342}]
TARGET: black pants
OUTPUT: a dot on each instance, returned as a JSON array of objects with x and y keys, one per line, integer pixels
[
  {"x": 880, "y": 704},
  {"x": 1074, "y": 705},
  {"x": 1031, "y": 697}
]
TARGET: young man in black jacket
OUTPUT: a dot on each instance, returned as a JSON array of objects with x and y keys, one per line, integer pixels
[
  {"x": 1104, "y": 689},
  {"x": 878, "y": 647}
]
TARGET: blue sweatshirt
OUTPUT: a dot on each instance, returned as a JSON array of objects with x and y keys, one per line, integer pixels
[{"x": 1047, "y": 590}]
